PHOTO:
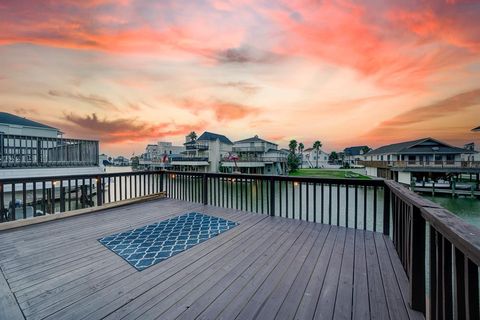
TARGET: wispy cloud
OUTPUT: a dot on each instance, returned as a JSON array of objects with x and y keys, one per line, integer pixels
[
  {"x": 414, "y": 119},
  {"x": 246, "y": 55},
  {"x": 244, "y": 87},
  {"x": 91, "y": 99}
]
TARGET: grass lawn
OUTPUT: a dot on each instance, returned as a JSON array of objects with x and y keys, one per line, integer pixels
[{"x": 327, "y": 173}]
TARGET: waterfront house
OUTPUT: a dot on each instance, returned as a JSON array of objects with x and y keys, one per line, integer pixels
[
  {"x": 310, "y": 158},
  {"x": 203, "y": 154},
  {"x": 353, "y": 154},
  {"x": 158, "y": 156},
  {"x": 422, "y": 159},
  {"x": 256, "y": 156},
  {"x": 121, "y": 161},
  {"x": 31, "y": 149}
]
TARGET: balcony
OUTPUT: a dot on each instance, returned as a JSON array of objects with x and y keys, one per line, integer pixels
[
  {"x": 303, "y": 248},
  {"x": 33, "y": 152},
  {"x": 257, "y": 159},
  {"x": 200, "y": 147},
  {"x": 248, "y": 149}
]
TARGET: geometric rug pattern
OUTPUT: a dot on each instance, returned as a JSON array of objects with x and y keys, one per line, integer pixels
[{"x": 148, "y": 245}]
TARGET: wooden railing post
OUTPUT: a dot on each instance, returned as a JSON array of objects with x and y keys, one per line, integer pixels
[
  {"x": 417, "y": 261},
  {"x": 99, "y": 191},
  {"x": 386, "y": 210},
  {"x": 205, "y": 189},
  {"x": 272, "y": 196}
]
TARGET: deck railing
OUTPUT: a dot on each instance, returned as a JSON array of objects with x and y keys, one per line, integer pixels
[
  {"x": 22, "y": 198},
  {"x": 439, "y": 252}
]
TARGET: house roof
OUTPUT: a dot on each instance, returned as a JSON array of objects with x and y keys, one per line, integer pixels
[
  {"x": 210, "y": 136},
  {"x": 419, "y": 146},
  {"x": 9, "y": 118},
  {"x": 254, "y": 139},
  {"x": 354, "y": 151}
]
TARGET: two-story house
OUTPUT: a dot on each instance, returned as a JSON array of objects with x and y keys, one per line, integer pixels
[
  {"x": 256, "y": 156},
  {"x": 420, "y": 159},
  {"x": 203, "y": 154}
]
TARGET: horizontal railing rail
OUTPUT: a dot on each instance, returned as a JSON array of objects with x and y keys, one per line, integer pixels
[
  {"x": 421, "y": 164},
  {"x": 183, "y": 159},
  {"x": 439, "y": 252},
  {"x": 257, "y": 159},
  {"x": 22, "y": 198}
]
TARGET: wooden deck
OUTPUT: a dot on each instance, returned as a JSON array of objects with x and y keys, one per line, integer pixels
[{"x": 265, "y": 268}]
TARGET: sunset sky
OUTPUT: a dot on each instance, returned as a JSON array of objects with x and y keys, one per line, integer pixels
[{"x": 131, "y": 72}]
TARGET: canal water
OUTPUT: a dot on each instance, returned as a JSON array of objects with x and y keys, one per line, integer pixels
[{"x": 465, "y": 207}]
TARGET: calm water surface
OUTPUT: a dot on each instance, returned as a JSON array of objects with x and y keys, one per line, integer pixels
[{"x": 466, "y": 208}]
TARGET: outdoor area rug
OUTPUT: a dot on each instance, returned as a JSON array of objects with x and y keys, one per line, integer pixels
[{"x": 151, "y": 244}]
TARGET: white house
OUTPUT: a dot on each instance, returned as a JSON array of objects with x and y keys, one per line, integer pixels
[
  {"x": 421, "y": 159},
  {"x": 203, "y": 154},
  {"x": 310, "y": 157},
  {"x": 256, "y": 156}
]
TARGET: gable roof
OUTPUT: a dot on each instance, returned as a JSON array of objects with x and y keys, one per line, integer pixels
[
  {"x": 415, "y": 146},
  {"x": 254, "y": 139},
  {"x": 9, "y": 118},
  {"x": 354, "y": 151},
  {"x": 210, "y": 136}
]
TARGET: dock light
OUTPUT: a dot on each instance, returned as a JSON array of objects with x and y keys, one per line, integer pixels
[
  {"x": 295, "y": 184},
  {"x": 233, "y": 180},
  {"x": 173, "y": 176},
  {"x": 55, "y": 183}
]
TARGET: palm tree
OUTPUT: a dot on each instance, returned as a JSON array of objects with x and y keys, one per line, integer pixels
[
  {"x": 365, "y": 149},
  {"x": 293, "y": 146},
  {"x": 317, "y": 145},
  {"x": 192, "y": 136},
  {"x": 301, "y": 147}
]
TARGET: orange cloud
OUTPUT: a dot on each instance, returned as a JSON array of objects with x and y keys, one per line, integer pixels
[
  {"x": 224, "y": 111},
  {"x": 121, "y": 130},
  {"x": 393, "y": 46},
  {"x": 415, "y": 122}
]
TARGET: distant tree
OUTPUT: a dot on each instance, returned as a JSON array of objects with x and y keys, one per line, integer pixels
[
  {"x": 366, "y": 149},
  {"x": 316, "y": 146},
  {"x": 301, "y": 147},
  {"x": 333, "y": 157},
  {"x": 292, "y": 146},
  {"x": 192, "y": 136},
  {"x": 135, "y": 161},
  {"x": 293, "y": 162}
]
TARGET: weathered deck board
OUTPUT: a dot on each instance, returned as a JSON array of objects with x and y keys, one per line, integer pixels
[{"x": 265, "y": 268}]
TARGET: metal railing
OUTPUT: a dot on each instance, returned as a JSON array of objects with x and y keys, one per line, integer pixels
[
  {"x": 186, "y": 159},
  {"x": 434, "y": 246},
  {"x": 18, "y": 151},
  {"x": 421, "y": 164},
  {"x": 22, "y": 198},
  {"x": 257, "y": 159}
]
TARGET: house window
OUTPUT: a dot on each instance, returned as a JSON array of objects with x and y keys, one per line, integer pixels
[
  {"x": 450, "y": 158},
  {"x": 411, "y": 159}
]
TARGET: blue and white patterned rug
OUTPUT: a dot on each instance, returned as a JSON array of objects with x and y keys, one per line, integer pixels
[{"x": 148, "y": 245}]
